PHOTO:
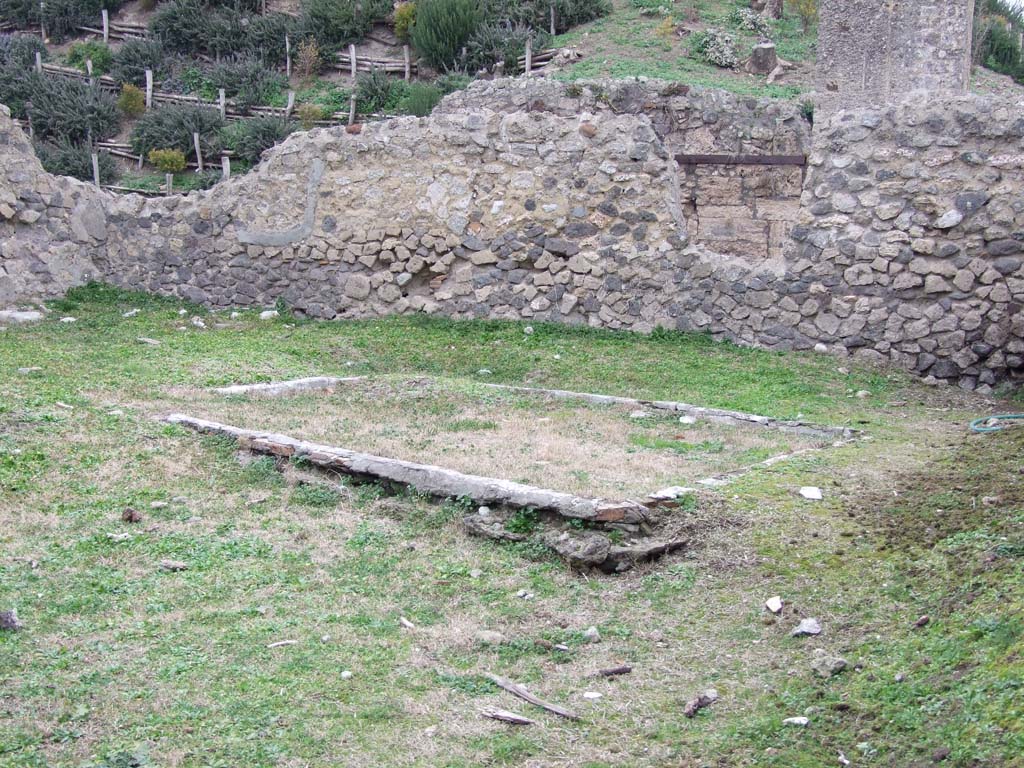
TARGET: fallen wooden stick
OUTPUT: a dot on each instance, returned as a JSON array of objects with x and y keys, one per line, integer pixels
[
  {"x": 507, "y": 717},
  {"x": 517, "y": 690},
  {"x": 624, "y": 669},
  {"x": 281, "y": 643}
]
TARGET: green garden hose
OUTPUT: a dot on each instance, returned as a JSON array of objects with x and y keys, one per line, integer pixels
[{"x": 992, "y": 423}]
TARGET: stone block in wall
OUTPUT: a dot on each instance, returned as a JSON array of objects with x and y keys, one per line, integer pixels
[{"x": 732, "y": 229}]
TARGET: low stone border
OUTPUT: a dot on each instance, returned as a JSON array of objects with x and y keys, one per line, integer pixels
[
  {"x": 718, "y": 415},
  {"x": 591, "y": 546},
  {"x": 281, "y": 388}
]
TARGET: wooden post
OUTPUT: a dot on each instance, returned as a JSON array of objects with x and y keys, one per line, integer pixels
[
  {"x": 106, "y": 26},
  {"x": 149, "y": 88},
  {"x": 42, "y": 20},
  {"x": 225, "y": 167},
  {"x": 529, "y": 56},
  {"x": 199, "y": 151},
  {"x": 39, "y": 62},
  {"x": 351, "y": 109},
  {"x": 352, "y": 59},
  {"x": 408, "y": 63},
  {"x": 96, "y": 169},
  {"x": 552, "y": 19},
  {"x": 88, "y": 70},
  {"x": 140, "y": 163},
  {"x": 169, "y": 181},
  {"x": 291, "y": 104},
  {"x": 287, "y": 56},
  {"x": 222, "y": 102}
]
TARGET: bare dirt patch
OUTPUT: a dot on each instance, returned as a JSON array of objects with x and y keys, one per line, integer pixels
[{"x": 584, "y": 448}]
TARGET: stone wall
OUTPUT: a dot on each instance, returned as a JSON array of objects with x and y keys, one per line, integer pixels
[
  {"x": 873, "y": 53},
  {"x": 562, "y": 202}
]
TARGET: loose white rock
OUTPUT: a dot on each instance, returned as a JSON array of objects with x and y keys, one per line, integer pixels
[
  {"x": 528, "y": 330},
  {"x": 235, "y": 315},
  {"x": 149, "y": 341},
  {"x": 863, "y": 394},
  {"x": 672, "y": 492},
  {"x": 269, "y": 314},
  {"x": 489, "y": 637},
  {"x": 346, "y": 674},
  {"x": 687, "y": 419},
  {"x": 774, "y": 604},
  {"x": 30, "y": 369},
  {"x": 484, "y": 372},
  {"x": 807, "y": 627},
  {"x": 592, "y": 695},
  {"x": 131, "y": 313},
  {"x": 639, "y": 415},
  {"x": 158, "y": 505},
  {"x": 811, "y": 492},
  {"x": 18, "y": 317},
  {"x": 591, "y": 635},
  {"x": 798, "y": 721},
  {"x": 198, "y": 322},
  {"x": 69, "y": 319}
]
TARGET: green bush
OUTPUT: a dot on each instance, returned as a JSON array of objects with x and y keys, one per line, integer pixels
[
  {"x": 63, "y": 158},
  {"x": 442, "y": 28},
  {"x": 337, "y": 22},
  {"x": 172, "y": 127},
  {"x": 132, "y": 101},
  {"x": 167, "y": 160},
  {"x": 188, "y": 26},
  {"x": 264, "y": 37},
  {"x": 501, "y": 41},
  {"x": 62, "y": 17},
  {"x": 101, "y": 55},
  {"x": 374, "y": 91},
  {"x": 134, "y": 57},
  {"x": 537, "y": 13},
  {"x": 20, "y": 50},
  {"x": 420, "y": 99},
  {"x": 452, "y": 82},
  {"x": 405, "y": 20},
  {"x": 247, "y": 81},
  {"x": 715, "y": 47},
  {"x": 61, "y": 108},
  {"x": 249, "y": 139}
]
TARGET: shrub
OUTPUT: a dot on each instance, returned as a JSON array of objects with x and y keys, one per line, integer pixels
[
  {"x": 501, "y": 41},
  {"x": 309, "y": 114},
  {"x": 405, "y": 20},
  {"x": 751, "y": 21},
  {"x": 420, "y": 99},
  {"x": 264, "y": 37},
  {"x": 807, "y": 10},
  {"x": 452, "y": 82},
  {"x": 338, "y": 22},
  {"x": 715, "y": 47},
  {"x": 374, "y": 91},
  {"x": 249, "y": 139},
  {"x": 20, "y": 50},
  {"x": 101, "y": 55},
  {"x": 134, "y": 57},
  {"x": 63, "y": 158},
  {"x": 537, "y": 13},
  {"x": 62, "y": 17},
  {"x": 442, "y": 28},
  {"x": 308, "y": 60},
  {"x": 172, "y": 127},
  {"x": 167, "y": 160},
  {"x": 247, "y": 81},
  {"x": 188, "y": 26},
  {"x": 132, "y": 101},
  {"x": 61, "y": 109}
]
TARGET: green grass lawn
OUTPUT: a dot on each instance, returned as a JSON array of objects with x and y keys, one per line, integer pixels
[{"x": 124, "y": 663}]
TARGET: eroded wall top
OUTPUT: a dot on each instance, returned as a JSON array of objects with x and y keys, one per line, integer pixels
[{"x": 873, "y": 52}]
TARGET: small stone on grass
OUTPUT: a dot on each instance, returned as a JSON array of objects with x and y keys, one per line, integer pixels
[
  {"x": 811, "y": 492},
  {"x": 807, "y": 627}
]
